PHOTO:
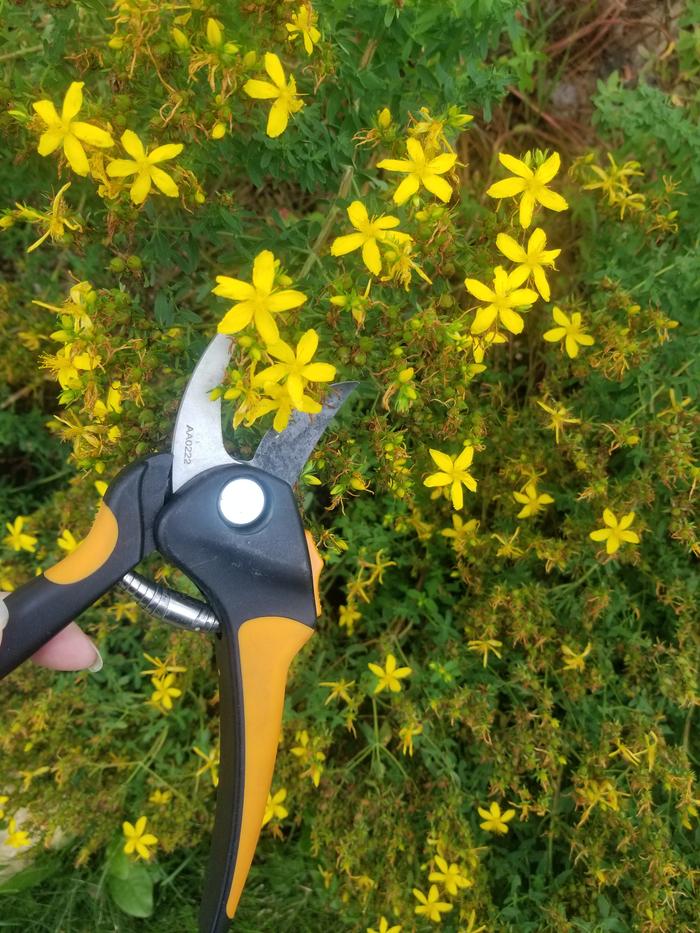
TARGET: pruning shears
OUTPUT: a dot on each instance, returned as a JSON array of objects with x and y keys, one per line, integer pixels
[{"x": 233, "y": 527}]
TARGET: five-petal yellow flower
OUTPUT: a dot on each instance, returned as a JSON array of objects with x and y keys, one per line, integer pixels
[
  {"x": 257, "y": 302},
  {"x": 144, "y": 165},
  {"x": 531, "y": 185},
  {"x": 501, "y": 300},
  {"x": 453, "y": 471},
  {"x": 68, "y": 132},
  {"x": 137, "y": 839},
  {"x": 421, "y": 170},
  {"x": 389, "y": 676},
  {"x": 531, "y": 260},
  {"x": 18, "y": 539},
  {"x": 370, "y": 231},
  {"x": 304, "y": 24},
  {"x": 531, "y": 500},
  {"x": 450, "y": 876},
  {"x": 295, "y": 367},
  {"x": 615, "y": 533},
  {"x": 494, "y": 820},
  {"x": 283, "y": 92},
  {"x": 569, "y": 330},
  {"x": 431, "y": 906}
]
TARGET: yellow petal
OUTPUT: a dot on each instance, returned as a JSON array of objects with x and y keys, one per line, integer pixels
[
  {"x": 264, "y": 271},
  {"x": 527, "y": 205},
  {"x": 119, "y": 168},
  {"x": 395, "y": 165},
  {"x": 484, "y": 319},
  {"x": 307, "y": 346},
  {"x": 273, "y": 67},
  {"x": 438, "y": 186},
  {"x": 371, "y": 257},
  {"x": 516, "y": 166},
  {"x": 92, "y": 134},
  {"x": 406, "y": 189},
  {"x": 442, "y": 163},
  {"x": 140, "y": 188},
  {"x": 76, "y": 155},
  {"x": 285, "y": 300},
  {"x": 357, "y": 213},
  {"x": 507, "y": 188},
  {"x": 164, "y": 182},
  {"x": 133, "y": 145},
  {"x": 346, "y": 244},
  {"x": 546, "y": 172},
  {"x": 319, "y": 372},
  {"x": 260, "y": 90},
  {"x": 277, "y": 119},
  {"x": 50, "y": 141},
  {"x": 442, "y": 460},
  {"x": 437, "y": 479},
  {"x": 552, "y": 200},
  {"x": 233, "y": 288},
  {"x": 510, "y": 248},
  {"x": 73, "y": 101},
  {"x": 479, "y": 290},
  {"x": 161, "y": 153},
  {"x": 46, "y": 111},
  {"x": 511, "y": 320}
]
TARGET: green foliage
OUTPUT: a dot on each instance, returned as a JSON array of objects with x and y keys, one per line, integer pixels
[{"x": 545, "y": 675}]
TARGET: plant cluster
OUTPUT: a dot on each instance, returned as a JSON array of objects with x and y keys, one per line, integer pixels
[{"x": 492, "y": 729}]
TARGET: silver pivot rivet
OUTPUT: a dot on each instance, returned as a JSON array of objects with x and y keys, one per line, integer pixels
[{"x": 242, "y": 501}]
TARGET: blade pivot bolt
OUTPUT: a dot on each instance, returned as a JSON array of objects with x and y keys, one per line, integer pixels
[{"x": 242, "y": 501}]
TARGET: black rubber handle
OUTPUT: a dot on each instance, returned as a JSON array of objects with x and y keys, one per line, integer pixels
[
  {"x": 121, "y": 536},
  {"x": 258, "y": 579}
]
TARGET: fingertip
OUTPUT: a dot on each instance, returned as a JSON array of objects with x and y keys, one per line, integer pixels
[{"x": 70, "y": 650}]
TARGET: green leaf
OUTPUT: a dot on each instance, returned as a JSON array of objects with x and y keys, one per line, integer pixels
[
  {"x": 28, "y": 878},
  {"x": 134, "y": 893}
]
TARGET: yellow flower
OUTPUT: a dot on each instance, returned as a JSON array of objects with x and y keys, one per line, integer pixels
[
  {"x": 3, "y": 800},
  {"x": 484, "y": 646},
  {"x": 407, "y": 734},
  {"x": 16, "y": 838},
  {"x": 137, "y": 839},
  {"x": 273, "y": 807},
  {"x": 256, "y": 302},
  {"x": 501, "y": 300},
  {"x": 531, "y": 185},
  {"x": 390, "y": 675},
  {"x": 211, "y": 761},
  {"x": 283, "y": 92},
  {"x": 278, "y": 399},
  {"x": 615, "y": 533},
  {"x": 66, "y": 541},
  {"x": 339, "y": 690},
  {"x": 531, "y": 261},
  {"x": 420, "y": 170},
  {"x": 531, "y": 500},
  {"x": 161, "y": 797},
  {"x": 17, "y": 539},
  {"x": 559, "y": 418},
  {"x": 66, "y": 365},
  {"x": 494, "y": 820},
  {"x": 431, "y": 906},
  {"x": 449, "y": 876},
  {"x": 384, "y": 927},
  {"x": 308, "y": 754},
  {"x": 304, "y": 24},
  {"x": 369, "y": 231},
  {"x": 569, "y": 330},
  {"x": 453, "y": 472},
  {"x": 68, "y": 132},
  {"x": 573, "y": 661},
  {"x": 295, "y": 367},
  {"x": 347, "y": 616},
  {"x": 161, "y": 668},
  {"x": 144, "y": 165},
  {"x": 56, "y": 222},
  {"x": 162, "y": 697}
]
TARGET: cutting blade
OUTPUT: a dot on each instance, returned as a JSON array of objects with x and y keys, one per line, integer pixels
[
  {"x": 198, "y": 441},
  {"x": 285, "y": 453}
]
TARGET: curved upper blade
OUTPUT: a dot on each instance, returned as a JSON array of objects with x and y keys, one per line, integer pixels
[
  {"x": 285, "y": 454},
  {"x": 198, "y": 441}
]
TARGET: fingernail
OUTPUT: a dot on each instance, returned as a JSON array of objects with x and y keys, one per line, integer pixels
[
  {"x": 4, "y": 614},
  {"x": 97, "y": 664}
]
